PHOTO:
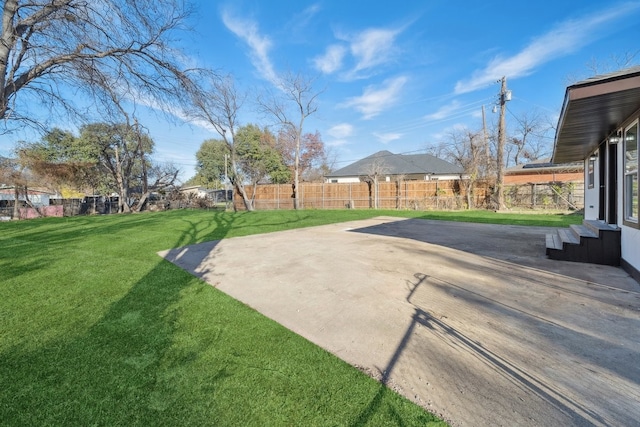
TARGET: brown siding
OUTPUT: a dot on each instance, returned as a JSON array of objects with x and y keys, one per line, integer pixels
[{"x": 544, "y": 177}]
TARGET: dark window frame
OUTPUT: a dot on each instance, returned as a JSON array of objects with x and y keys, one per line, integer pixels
[{"x": 626, "y": 219}]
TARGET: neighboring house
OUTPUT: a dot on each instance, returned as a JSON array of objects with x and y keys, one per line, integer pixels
[
  {"x": 38, "y": 205},
  {"x": 543, "y": 171},
  {"x": 599, "y": 126},
  {"x": 217, "y": 196},
  {"x": 196, "y": 191},
  {"x": 37, "y": 198},
  {"x": 389, "y": 166}
]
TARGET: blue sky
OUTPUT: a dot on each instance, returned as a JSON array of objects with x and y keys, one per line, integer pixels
[{"x": 399, "y": 75}]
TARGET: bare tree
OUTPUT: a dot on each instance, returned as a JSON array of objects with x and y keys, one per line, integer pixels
[
  {"x": 399, "y": 179},
  {"x": 466, "y": 149},
  {"x": 295, "y": 102},
  {"x": 217, "y": 103},
  {"x": 614, "y": 62},
  {"x": 529, "y": 142},
  {"x": 159, "y": 177},
  {"x": 372, "y": 173},
  {"x": 50, "y": 48}
]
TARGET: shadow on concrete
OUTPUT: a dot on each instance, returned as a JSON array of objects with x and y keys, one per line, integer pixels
[
  {"x": 517, "y": 253},
  {"x": 517, "y": 244},
  {"x": 579, "y": 414}
]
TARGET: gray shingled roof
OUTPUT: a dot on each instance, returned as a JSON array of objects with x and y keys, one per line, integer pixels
[{"x": 400, "y": 164}]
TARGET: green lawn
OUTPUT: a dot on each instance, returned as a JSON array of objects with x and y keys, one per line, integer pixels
[{"x": 96, "y": 329}]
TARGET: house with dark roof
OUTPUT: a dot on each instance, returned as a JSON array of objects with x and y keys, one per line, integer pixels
[
  {"x": 389, "y": 166},
  {"x": 599, "y": 126}
]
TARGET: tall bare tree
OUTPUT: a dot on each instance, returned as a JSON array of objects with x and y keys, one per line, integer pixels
[
  {"x": 466, "y": 148},
  {"x": 51, "y": 48},
  {"x": 217, "y": 104},
  {"x": 596, "y": 66},
  {"x": 616, "y": 61},
  {"x": 371, "y": 173},
  {"x": 530, "y": 140},
  {"x": 290, "y": 107}
]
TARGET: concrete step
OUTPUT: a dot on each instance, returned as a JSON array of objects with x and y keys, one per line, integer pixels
[
  {"x": 583, "y": 231},
  {"x": 594, "y": 241},
  {"x": 553, "y": 242},
  {"x": 597, "y": 226},
  {"x": 568, "y": 236}
]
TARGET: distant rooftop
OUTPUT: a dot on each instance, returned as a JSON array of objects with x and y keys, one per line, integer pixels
[
  {"x": 399, "y": 164},
  {"x": 544, "y": 164}
]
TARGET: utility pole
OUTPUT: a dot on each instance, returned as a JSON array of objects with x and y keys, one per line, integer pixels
[{"x": 505, "y": 96}]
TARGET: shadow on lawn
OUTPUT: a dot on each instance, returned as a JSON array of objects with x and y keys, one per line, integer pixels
[
  {"x": 127, "y": 368},
  {"x": 123, "y": 370}
]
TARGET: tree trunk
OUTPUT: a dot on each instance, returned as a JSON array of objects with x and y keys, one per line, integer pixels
[
  {"x": 370, "y": 186},
  {"x": 470, "y": 203},
  {"x": 376, "y": 203},
  {"x": 123, "y": 205},
  {"x": 16, "y": 210},
  {"x": 296, "y": 173},
  {"x": 245, "y": 199},
  {"x": 239, "y": 185},
  {"x": 141, "y": 202}
]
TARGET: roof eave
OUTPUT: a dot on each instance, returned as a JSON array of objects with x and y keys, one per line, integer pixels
[{"x": 592, "y": 110}]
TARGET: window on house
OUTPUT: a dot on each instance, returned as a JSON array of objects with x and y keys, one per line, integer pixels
[
  {"x": 591, "y": 179},
  {"x": 631, "y": 173}
]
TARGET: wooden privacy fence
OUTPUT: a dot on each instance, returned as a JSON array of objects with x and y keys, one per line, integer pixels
[
  {"x": 417, "y": 195},
  {"x": 412, "y": 195}
]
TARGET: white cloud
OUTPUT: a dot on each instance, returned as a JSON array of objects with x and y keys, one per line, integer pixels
[
  {"x": 337, "y": 142},
  {"x": 331, "y": 61},
  {"x": 444, "y": 111},
  {"x": 385, "y": 138},
  {"x": 565, "y": 38},
  {"x": 373, "y": 47},
  {"x": 341, "y": 131},
  {"x": 369, "y": 49},
  {"x": 445, "y": 133},
  {"x": 374, "y": 100},
  {"x": 477, "y": 114},
  {"x": 260, "y": 45},
  {"x": 301, "y": 20}
]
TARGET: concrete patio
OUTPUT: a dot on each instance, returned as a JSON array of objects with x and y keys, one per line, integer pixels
[{"x": 470, "y": 321}]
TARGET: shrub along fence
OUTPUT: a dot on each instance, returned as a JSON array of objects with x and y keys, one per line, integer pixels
[{"x": 416, "y": 195}]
